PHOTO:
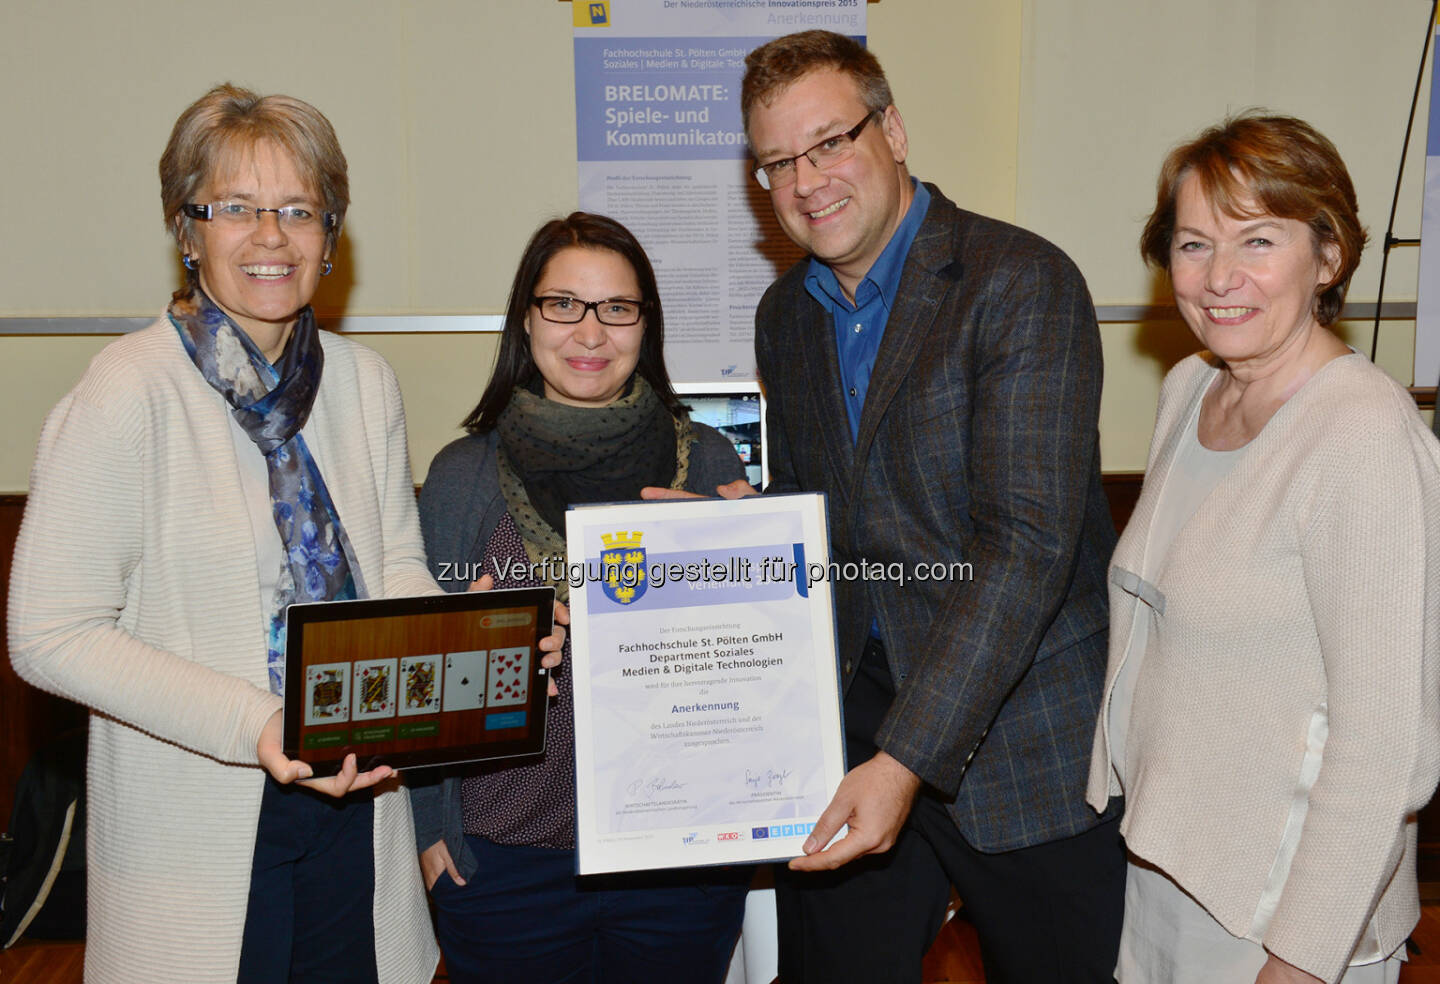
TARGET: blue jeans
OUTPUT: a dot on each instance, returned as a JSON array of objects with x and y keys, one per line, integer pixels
[
  {"x": 312, "y": 890},
  {"x": 524, "y": 916}
]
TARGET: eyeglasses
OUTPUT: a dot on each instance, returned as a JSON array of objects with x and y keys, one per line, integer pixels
[
  {"x": 296, "y": 218},
  {"x": 826, "y": 153},
  {"x": 613, "y": 311}
]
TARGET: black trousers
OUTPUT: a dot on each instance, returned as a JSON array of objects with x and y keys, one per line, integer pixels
[
  {"x": 310, "y": 918},
  {"x": 1048, "y": 914}
]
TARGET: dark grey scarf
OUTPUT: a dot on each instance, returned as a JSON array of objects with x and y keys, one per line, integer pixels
[{"x": 553, "y": 455}]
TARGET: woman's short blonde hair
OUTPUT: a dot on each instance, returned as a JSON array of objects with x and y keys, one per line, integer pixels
[{"x": 222, "y": 127}]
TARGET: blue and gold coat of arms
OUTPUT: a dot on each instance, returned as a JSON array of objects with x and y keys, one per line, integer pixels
[{"x": 622, "y": 567}]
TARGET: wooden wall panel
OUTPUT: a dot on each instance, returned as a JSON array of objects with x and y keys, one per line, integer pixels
[{"x": 28, "y": 717}]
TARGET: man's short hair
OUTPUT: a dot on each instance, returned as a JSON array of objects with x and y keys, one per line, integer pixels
[{"x": 775, "y": 65}]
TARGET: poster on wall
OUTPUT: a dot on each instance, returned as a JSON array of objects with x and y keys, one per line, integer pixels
[
  {"x": 1427, "y": 307},
  {"x": 660, "y": 147}
]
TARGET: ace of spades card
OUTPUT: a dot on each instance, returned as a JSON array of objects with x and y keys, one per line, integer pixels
[
  {"x": 509, "y": 676},
  {"x": 419, "y": 685},
  {"x": 327, "y": 693},
  {"x": 374, "y": 689},
  {"x": 464, "y": 688}
]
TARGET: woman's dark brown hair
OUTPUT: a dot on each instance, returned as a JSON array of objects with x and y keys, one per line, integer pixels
[{"x": 514, "y": 365}]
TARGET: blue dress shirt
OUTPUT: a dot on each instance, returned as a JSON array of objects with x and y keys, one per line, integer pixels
[{"x": 860, "y": 326}]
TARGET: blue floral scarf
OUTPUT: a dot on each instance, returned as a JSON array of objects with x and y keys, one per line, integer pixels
[{"x": 271, "y": 404}]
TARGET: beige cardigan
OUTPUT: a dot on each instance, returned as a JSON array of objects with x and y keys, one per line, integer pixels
[
  {"x": 135, "y": 591},
  {"x": 1308, "y": 581}
]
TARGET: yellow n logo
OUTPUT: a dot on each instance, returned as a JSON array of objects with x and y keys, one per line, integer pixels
[{"x": 591, "y": 13}]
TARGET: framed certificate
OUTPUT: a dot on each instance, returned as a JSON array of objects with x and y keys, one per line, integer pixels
[
  {"x": 707, "y": 704},
  {"x": 407, "y": 682}
]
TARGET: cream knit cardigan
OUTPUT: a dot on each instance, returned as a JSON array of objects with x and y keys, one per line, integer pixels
[
  {"x": 1309, "y": 580},
  {"x": 135, "y": 591}
]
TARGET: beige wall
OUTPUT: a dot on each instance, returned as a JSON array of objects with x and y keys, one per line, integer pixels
[
  {"x": 1108, "y": 86},
  {"x": 458, "y": 121}
]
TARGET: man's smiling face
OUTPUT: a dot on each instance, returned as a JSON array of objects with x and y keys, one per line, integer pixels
[{"x": 843, "y": 215}]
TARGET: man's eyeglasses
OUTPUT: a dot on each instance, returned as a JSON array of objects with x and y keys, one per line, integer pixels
[
  {"x": 294, "y": 217},
  {"x": 614, "y": 311},
  {"x": 826, "y": 153}
]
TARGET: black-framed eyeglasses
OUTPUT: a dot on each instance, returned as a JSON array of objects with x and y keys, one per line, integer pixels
[
  {"x": 826, "y": 153},
  {"x": 613, "y": 311},
  {"x": 294, "y": 217}
]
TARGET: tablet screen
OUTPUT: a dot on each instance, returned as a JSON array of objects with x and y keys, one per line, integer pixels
[{"x": 406, "y": 682}]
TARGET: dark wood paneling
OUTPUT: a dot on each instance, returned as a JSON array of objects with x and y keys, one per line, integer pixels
[
  {"x": 1122, "y": 489},
  {"x": 29, "y": 717},
  {"x": 43, "y": 962}
]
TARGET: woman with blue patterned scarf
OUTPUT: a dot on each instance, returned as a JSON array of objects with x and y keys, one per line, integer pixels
[{"x": 206, "y": 472}]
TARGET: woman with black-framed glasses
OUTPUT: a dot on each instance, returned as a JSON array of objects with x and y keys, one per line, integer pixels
[{"x": 579, "y": 409}]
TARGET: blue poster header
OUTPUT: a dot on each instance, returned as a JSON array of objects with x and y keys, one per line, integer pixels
[{"x": 660, "y": 99}]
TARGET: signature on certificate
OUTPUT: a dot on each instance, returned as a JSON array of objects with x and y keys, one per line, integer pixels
[
  {"x": 648, "y": 788},
  {"x": 769, "y": 779}
]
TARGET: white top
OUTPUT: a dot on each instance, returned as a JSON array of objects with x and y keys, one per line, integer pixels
[
  {"x": 1198, "y": 470},
  {"x": 1170, "y": 938},
  {"x": 135, "y": 590}
]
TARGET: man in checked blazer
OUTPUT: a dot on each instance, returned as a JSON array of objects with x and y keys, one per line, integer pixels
[{"x": 937, "y": 375}]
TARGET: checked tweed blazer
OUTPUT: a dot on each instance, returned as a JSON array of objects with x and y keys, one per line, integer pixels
[{"x": 978, "y": 443}]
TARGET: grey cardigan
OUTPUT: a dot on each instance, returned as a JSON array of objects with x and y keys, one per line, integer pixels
[{"x": 460, "y": 505}]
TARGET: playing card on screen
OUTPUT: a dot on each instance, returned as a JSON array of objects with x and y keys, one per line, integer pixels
[
  {"x": 374, "y": 689},
  {"x": 464, "y": 680},
  {"x": 509, "y": 676},
  {"x": 419, "y": 685},
  {"x": 327, "y": 693}
]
